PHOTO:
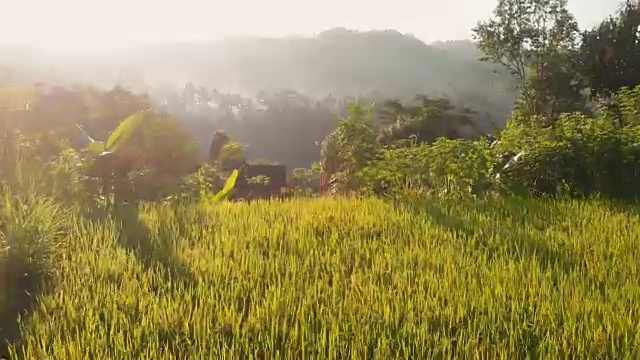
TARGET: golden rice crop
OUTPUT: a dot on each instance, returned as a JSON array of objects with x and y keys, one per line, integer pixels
[{"x": 344, "y": 278}]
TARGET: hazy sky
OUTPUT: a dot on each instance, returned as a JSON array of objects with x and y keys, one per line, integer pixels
[{"x": 97, "y": 26}]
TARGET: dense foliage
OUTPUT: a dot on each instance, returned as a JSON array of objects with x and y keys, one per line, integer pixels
[
  {"x": 582, "y": 155},
  {"x": 610, "y": 53}
]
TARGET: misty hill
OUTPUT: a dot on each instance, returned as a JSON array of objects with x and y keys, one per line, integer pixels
[{"x": 337, "y": 61}]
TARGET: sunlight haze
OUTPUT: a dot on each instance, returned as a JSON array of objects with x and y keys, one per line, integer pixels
[{"x": 94, "y": 27}]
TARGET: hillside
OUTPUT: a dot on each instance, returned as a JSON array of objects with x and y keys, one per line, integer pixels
[{"x": 338, "y": 61}]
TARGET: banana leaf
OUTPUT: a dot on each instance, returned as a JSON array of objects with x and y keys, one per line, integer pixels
[
  {"x": 125, "y": 130},
  {"x": 96, "y": 147},
  {"x": 228, "y": 186}
]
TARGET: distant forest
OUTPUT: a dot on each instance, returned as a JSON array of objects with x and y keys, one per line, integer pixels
[{"x": 280, "y": 96}]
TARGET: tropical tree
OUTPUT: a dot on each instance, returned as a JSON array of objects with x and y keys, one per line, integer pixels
[
  {"x": 220, "y": 139},
  {"x": 610, "y": 52},
  {"x": 536, "y": 41},
  {"x": 231, "y": 155},
  {"x": 393, "y": 111},
  {"x": 57, "y": 110},
  {"x": 427, "y": 121},
  {"x": 349, "y": 147},
  {"x": 148, "y": 141}
]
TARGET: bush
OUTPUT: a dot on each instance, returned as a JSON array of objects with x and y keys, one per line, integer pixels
[
  {"x": 205, "y": 182},
  {"x": 308, "y": 178},
  {"x": 458, "y": 167},
  {"x": 68, "y": 172},
  {"x": 30, "y": 233},
  {"x": 582, "y": 155},
  {"x": 348, "y": 149}
]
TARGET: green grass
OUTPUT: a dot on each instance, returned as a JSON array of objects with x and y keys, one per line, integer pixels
[{"x": 338, "y": 278}]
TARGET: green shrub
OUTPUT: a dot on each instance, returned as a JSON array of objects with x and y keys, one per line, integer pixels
[
  {"x": 348, "y": 149},
  {"x": 582, "y": 155},
  {"x": 458, "y": 167},
  {"x": 201, "y": 184},
  {"x": 31, "y": 232}
]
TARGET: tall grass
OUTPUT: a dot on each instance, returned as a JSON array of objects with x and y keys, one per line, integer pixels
[
  {"x": 31, "y": 240},
  {"x": 341, "y": 278}
]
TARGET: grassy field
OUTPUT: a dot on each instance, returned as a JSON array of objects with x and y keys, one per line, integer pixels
[{"x": 332, "y": 279}]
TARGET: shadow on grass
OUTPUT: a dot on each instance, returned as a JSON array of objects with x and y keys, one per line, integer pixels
[
  {"x": 19, "y": 286},
  {"x": 502, "y": 228},
  {"x": 153, "y": 251},
  {"x": 519, "y": 224},
  {"x": 631, "y": 208}
]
